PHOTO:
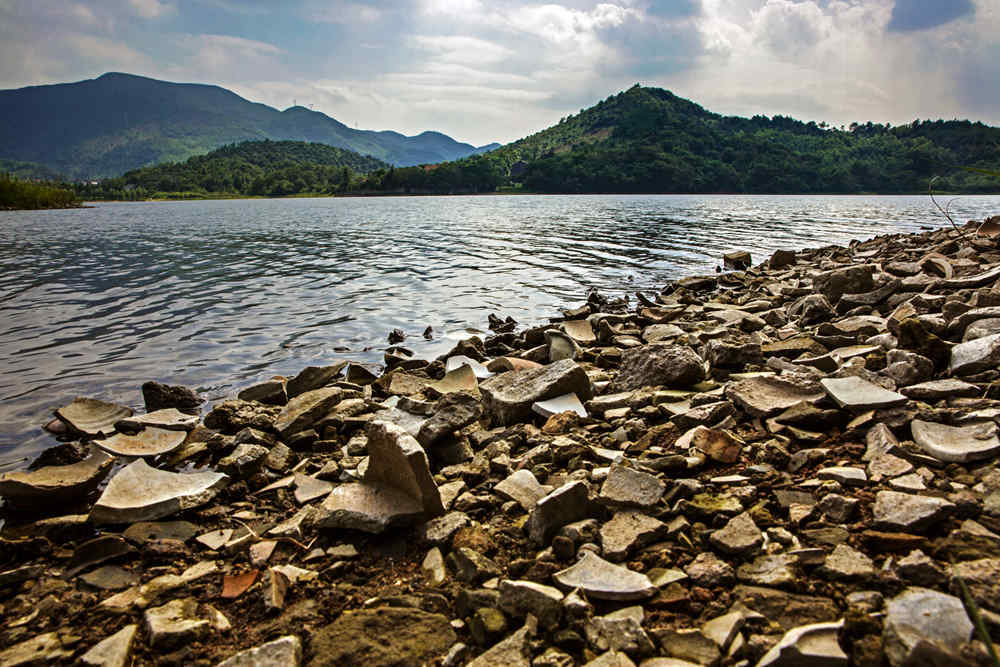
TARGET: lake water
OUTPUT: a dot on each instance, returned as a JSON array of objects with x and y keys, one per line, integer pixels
[{"x": 217, "y": 295}]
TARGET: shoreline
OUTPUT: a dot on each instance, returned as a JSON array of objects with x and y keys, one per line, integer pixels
[{"x": 807, "y": 433}]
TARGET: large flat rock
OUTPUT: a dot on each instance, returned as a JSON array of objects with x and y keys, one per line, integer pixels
[
  {"x": 975, "y": 356},
  {"x": 92, "y": 417},
  {"x": 54, "y": 484},
  {"x": 920, "y": 615},
  {"x": 656, "y": 365},
  {"x": 147, "y": 442},
  {"x": 767, "y": 396},
  {"x": 369, "y": 508},
  {"x": 508, "y": 397},
  {"x": 305, "y": 409},
  {"x": 597, "y": 578},
  {"x": 141, "y": 493},
  {"x": 382, "y": 636},
  {"x": 856, "y": 394}
]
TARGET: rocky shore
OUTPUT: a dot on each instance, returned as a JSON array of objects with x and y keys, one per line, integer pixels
[{"x": 793, "y": 463}]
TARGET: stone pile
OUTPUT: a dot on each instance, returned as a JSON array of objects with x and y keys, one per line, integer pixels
[{"x": 786, "y": 464}]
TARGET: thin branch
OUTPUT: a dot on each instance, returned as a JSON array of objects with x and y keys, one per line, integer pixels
[{"x": 930, "y": 191}]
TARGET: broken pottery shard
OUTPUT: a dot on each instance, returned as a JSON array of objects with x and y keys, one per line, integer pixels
[
  {"x": 462, "y": 379},
  {"x": 579, "y": 330},
  {"x": 112, "y": 651},
  {"x": 602, "y": 580},
  {"x": 396, "y": 459},
  {"x": 147, "y": 442},
  {"x": 923, "y": 616},
  {"x": 658, "y": 364},
  {"x": 554, "y": 406},
  {"x": 524, "y": 488},
  {"x": 561, "y": 346},
  {"x": 459, "y": 360},
  {"x": 141, "y": 493},
  {"x": 565, "y": 505},
  {"x": 285, "y": 651},
  {"x": 167, "y": 418},
  {"x": 767, "y": 396},
  {"x": 305, "y": 409},
  {"x": 56, "y": 483},
  {"x": 907, "y": 512},
  {"x": 815, "y": 645},
  {"x": 503, "y": 364},
  {"x": 975, "y": 356},
  {"x": 507, "y": 398},
  {"x": 956, "y": 444},
  {"x": 90, "y": 416},
  {"x": 856, "y": 394}
]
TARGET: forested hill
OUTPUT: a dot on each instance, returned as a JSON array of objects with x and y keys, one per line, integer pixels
[
  {"x": 117, "y": 122},
  {"x": 267, "y": 168},
  {"x": 648, "y": 140}
]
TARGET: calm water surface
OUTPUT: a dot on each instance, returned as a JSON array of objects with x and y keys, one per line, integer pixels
[{"x": 217, "y": 295}]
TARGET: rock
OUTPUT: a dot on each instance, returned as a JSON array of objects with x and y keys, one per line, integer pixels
[
  {"x": 845, "y": 475},
  {"x": 282, "y": 652},
  {"x": 514, "y": 651},
  {"x": 813, "y": 645},
  {"x": 167, "y": 418},
  {"x": 909, "y": 513},
  {"x": 627, "y": 531},
  {"x": 736, "y": 261},
  {"x": 561, "y": 346},
  {"x": 625, "y": 487},
  {"x": 507, "y": 398},
  {"x": 658, "y": 364},
  {"x": 724, "y": 629},
  {"x": 859, "y": 395},
  {"x": 982, "y": 577},
  {"x": 311, "y": 378},
  {"x": 558, "y": 405},
  {"x": 813, "y": 309},
  {"x": 272, "y": 392},
  {"x": 620, "y": 631},
  {"x": 141, "y": 493},
  {"x": 524, "y": 488},
  {"x": 770, "y": 570},
  {"x": 601, "y": 580},
  {"x": 306, "y": 409},
  {"x": 110, "y": 578},
  {"x": 148, "y": 442},
  {"x": 243, "y": 461},
  {"x": 56, "y": 484},
  {"x": 308, "y": 488},
  {"x": 767, "y": 396},
  {"x": 935, "y": 390},
  {"x": 48, "y": 648},
  {"x": 113, "y": 651},
  {"x": 89, "y": 416},
  {"x": 453, "y": 412},
  {"x": 142, "y": 596},
  {"x": 846, "y": 563},
  {"x": 917, "y": 568},
  {"x": 879, "y": 440},
  {"x": 780, "y": 259},
  {"x": 717, "y": 444},
  {"x": 921, "y": 615},
  {"x": 723, "y": 354},
  {"x": 433, "y": 567},
  {"x": 565, "y": 505},
  {"x": 233, "y": 416},
  {"x": 159, "y": 396},
  {"x": 786, "y": 610},
  {"x": 175, "y": 623},
  {"x": 838, "y": 508},
  {"x": 957, "y": 444},
  {"x": 471, "y": 566},
  {"x": 975, "y": 356},
  {"x": 850, "y": 280},
  {"x": 382, "y": 636},
  {"x": 708, "y": 571},
  {"x": 740, "y": 536},
  {"x": 520, "y": 598},
  {"x": 397, "y": 486}
]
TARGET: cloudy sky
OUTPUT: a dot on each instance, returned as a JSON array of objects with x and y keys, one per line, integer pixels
[{"x": 496, "y": 71}]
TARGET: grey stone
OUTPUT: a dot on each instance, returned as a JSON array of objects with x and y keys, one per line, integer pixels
[
  {"x": 845, "y": 563},
  {"x": 813, "y": 645},
  {"x": 520, "y": 598},
  {"x": 507, "y": 398},
  {"x": 311, "y": 378},
  {"x": 838, "y": 508},
  {"x": 92, "y": 417},
  {"x": 141, "y": 493},
  {"x": 879, "y": 440},
  {"x": 975, "y": 356},
  {"x": 524, "y": 488},
  {"x": 175, "y": 623},
  {"x": 454, "y": 411},
  {"x": 599, "y": 579},
  {"x": 271, "y": 392},
  {"x": 112, "y": 651},
  {"x": 514, "y": 651},
  {"x": 767, "y": 396},
  {"x": 982, "y": 576},
  {"x": 740, "y": 536},
  {"x": 709, "y": 571},
  {"x": 958, "y": 444},
  {"x": 625, "y": 487},
  {"x": 565, "y": 505},
  {"x": 935, "y": 390},
  {"x": 243, "y": 461},
  {"x": 850, "y": 280},
  {"x": 620, "y": 631},
  {"x": 627, "y": 531},
  {"x": 306, "y": 409},
  {"x": 725, "y": 354},
  {"x": 433, "y": 567},
  {"x": 658, "y": 364},
  {"x": 55, "y": 484},
  {"x": 775, "y": 570},
  {"x": 907, "y": 512},
  {"x": 157, "y": 396},
  {"x": 471, "y": 566},
  {"x": 859, "y": 395},
  {"x": 48, "y": 648},
  {"x": 846, "y": 475},
  {"x": 921, "y": 615},
  {"x": 308, "y": 488},
  {"x": 723, "y": 629},
  {"x": 918, "y": 568},
  {"x": 282, "y": 652}
]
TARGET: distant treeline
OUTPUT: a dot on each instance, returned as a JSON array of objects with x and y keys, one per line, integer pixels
[
  {"x": 258, "y": 168},
  {"x": 16, "y": 193}
]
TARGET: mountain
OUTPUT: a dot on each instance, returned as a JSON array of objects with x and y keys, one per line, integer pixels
[
  {"x": 268, "y": 168},
  {"x": 648, "y": 140},
  {"x": 118, "y": 122}
]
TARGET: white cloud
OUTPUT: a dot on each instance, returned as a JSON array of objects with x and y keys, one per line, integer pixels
[
  {"x": 345, "y": 13},
  {"x": 151, "y": 9}
]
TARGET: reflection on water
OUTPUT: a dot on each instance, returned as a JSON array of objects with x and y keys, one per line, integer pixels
[{"x": 217, "y": 295}]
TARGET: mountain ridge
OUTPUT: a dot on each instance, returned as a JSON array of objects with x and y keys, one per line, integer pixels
[{"x": 118, "y": 122}]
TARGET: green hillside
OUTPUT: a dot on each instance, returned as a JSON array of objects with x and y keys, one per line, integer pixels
[
  {"x": 118, "y": 122},
  {"x": 265, "y": 168},
  {"x": 16, "y": 194},
  {"x": 648, "y": 140}
]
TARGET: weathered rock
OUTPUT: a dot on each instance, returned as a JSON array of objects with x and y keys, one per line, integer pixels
[
  {"x": 724, "y": 354},
  {"x": 880, "y": 441},
  {"x": 921, "y": 615},
  {"x": 767, "y": 396},
  {"x": 812, "y": 645},
  {"x": 45, "y": 649},
  {"x": 620, "y": 631},
  {"x": 627, "y": 531},
  {"x": 709, "y": 571},
  {"x": 786, "y": 610},
  {"x": 625, "y": 487},
  {"x": 113, "y": 651},
  {"x": 507, "y": 398},
  {"x": 982, "y": 576},
  {"x": 520, "y": 598},
  {"x": 770, "y": 570},
  {"x": 935, "y": 390},
  {"x": 282, "y": 652},
  {"x": 655, "y": 365},
  {"x": 524, "y": 488},
  {"x": 958, "y": 444},
  {"x": 471, "y": 566},
  {"x": 565, "y": 505},
  {"x": 599, "y": 579},
  {"x": 514, "y": 651},
  {"x": 89, "y": 416},
  {"x": 907, "y": 512},
  {"x": 175, "y": 623},
  {"x": 56, "y": 484},
  {"x": 846, "y": 563},
  {"x": 850, "y": 280},
  {"x": 846, "y": 475},
  {"x": 382, "y": 636},
  {"x": 453, "y": 412},
  {"x": 271, "y": 392},
  {"x": 739, "y": 536},
  {"x": 305, "y": 409},
  {"x": 975, "y": 356},
  {"x": 141, "y": 493},
  {"x": 311, "y": 378},
  {"x": 859, "y": 395},
  {"x": 147, "y": 442},
  {"x": 717, "y": 444},
  {"x": 158, "y": 396},
  {"x": 232, "y": 416}
]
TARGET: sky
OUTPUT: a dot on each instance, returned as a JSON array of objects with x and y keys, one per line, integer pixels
[{"x": 497, "y": 71}]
